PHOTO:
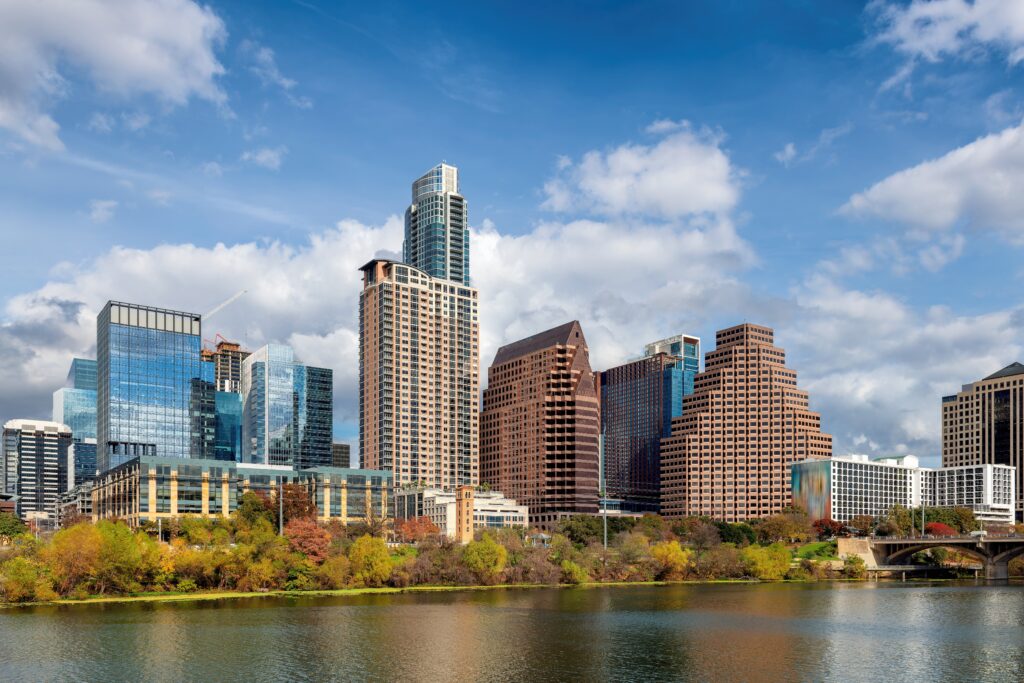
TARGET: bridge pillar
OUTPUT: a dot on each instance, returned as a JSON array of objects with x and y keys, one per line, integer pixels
[{"x": 997, "y": 571}]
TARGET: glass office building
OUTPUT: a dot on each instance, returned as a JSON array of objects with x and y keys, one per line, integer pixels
[
  {"x": 74, "y": 405},
  {"x": 155, "y": 395},
  {"x": 287, "y": 410},
  {"x": 638, "y": 401},
  {"x": 228, "y": 426},
  {"x": 437, "y": 226}
]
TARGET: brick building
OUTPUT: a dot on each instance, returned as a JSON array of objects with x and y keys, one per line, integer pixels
[{"x": 746, "y": 423}]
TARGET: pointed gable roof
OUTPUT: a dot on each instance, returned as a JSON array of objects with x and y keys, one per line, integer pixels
[
  {"x": 569, "y": 333},
  {"x": 1009, "y": 371}
]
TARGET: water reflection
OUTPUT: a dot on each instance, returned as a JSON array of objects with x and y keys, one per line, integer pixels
[{"x": 846, "y": 632}]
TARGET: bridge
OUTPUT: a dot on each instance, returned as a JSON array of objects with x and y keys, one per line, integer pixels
[{"x": 994, "y": 551}]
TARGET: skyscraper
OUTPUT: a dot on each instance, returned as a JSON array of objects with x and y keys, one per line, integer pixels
[
  {"x": 639, "y": 399},
  {"x": 984, "y": 424},
  {"x": 437, "y": 226},
  {"x": 418, "y": 376},
  {"x": 75, "y": 406},
  {"x": 227, "y": 362},
  {"x": 287, "y": 410},
  {"x": 154, "y": 392},
  {"x": 341, "y": 455},
  {"x": 540, "y": 425},
  {"x": 746, "y": 423},
  {"x": 35, "y": 466}
]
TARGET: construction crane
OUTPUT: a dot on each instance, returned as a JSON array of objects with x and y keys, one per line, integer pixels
[{"x": 218, "y": 308}]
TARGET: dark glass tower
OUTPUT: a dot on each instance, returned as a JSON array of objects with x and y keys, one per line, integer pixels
[
  {"x": 437, "y": 226},
  {"x": 638, "y": 401},
  {"x": 155, "y": 395}
]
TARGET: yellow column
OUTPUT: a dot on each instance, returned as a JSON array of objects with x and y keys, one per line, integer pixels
[
  {"x": 344, "y": 503},
  {"x": 325, "y": 514},
  {"x": 174, "y": 493},
  {"x": 206, "y": 494},
  {"x": 152, "y": 494},
  {"x": 225, "y": 499}
]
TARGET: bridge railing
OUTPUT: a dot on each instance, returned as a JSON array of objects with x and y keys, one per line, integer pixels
[{"x": 938, "y": 537}]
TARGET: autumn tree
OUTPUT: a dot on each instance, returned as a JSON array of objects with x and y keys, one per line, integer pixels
[
  {"x": 10, "y": 526},
  {"x": 828, "y": 528},
  {"x": 862, "y": 524},
  {"x": 768, "y": 563},
  {"x": 307, "y": 537},
  {"x": 370, "y": 561},
  {"x": 297, "y": 503},
  {"x": 939, "y": 529},
  {"x": 416, "y": 529},
  {"x": 73, "y": 556},
  {"x": 673, "y": 562},
  {"x": 485, "y": 558}
]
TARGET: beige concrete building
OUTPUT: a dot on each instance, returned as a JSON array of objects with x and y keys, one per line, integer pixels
[
  {"x": 984, "y": 424},
  {"x": 419, "y": 377},
  {"x": 227, "y": 360},
  {"x": 746, "y": 423},
  {"x": 540, "y": 424}
]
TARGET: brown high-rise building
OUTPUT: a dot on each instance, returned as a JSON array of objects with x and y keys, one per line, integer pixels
[
  {"x": 540, "y": 425},
  {"x": 745, "y": 424},
  {"x": 227, "y": 361},
  {"x": 983, "y": 424},
  {"x": 419, "y": 377}
]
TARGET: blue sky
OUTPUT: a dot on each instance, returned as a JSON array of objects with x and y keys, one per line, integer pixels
[{"x": 846, "y": 173}]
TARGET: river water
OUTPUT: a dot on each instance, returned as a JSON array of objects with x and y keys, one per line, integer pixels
[{"x": 720, "y": 632}]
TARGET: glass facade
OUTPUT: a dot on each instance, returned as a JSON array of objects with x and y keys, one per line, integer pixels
[
  {"x": 287, "y": 410},
  {"x": 75, "y": 406},
  {"x": 638, "y": 402},
  {"x": 154, "y": 393},
  {"x": 437, "y": 226},
  {"x": 228, "y": 426}
]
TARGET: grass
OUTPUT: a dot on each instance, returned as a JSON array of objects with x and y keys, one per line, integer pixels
[{"x": 820, "y": 550}]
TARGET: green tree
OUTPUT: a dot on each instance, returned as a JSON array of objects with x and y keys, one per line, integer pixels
[
  {"x": 572, "y": 573},
  {"x": 253, "y": 507},
  {"x": 19, "y": 577},
  {"x": 673, "y": 562},
  {"x": 768, "y": 563},
  {"x": 10, "y": 526},
  {"x": 900, "y": 520},
  {"x": 739, "y": 533},
  {"x": 126, "y": 559},
  {"x": 334, "y": 573},
  {"x": 485, "y": 558},
  {"x": 370, "y": 562}
]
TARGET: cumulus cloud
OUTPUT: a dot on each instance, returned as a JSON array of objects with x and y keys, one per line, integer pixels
[
  {"x": 162, "y": 48},
  {"x": 101, "y": 210},
  {"x": 877, "y": 368},
  {"x": 267, "y": 157},
  {"x": 264, "y": 66},
  {"x": 684, "y": 173},
  {"x": 976, "y": 185}
]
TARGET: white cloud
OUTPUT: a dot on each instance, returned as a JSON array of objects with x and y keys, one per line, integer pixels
[
  {"x": 101, "y": 123},
  {"x": 786, "y": 155},
  {"x": 934, "y": 29},
  {"x": 977, "y": 185},
  {"x": 267, "y": 157},
  {"x": 101, "y": 210},
  {"x": 136, "y": 121},
  {"x": 685, "y": 173},
  {"x": 264, "y": 66},
  {"x": 163, "y": 48}
]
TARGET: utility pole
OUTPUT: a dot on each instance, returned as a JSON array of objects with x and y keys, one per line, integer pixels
[{"x": 280, "y": 506}]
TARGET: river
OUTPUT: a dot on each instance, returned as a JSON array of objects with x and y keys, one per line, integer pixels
[{"x": 716, "y": 632}]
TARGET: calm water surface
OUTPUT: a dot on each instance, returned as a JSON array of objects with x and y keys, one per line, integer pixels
[{"x": 781, "y": 632}]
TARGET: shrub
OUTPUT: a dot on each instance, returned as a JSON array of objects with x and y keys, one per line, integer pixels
[
  {"x": 767, "y": 563},
  {"x": 18, "y": 579},
  {"x": 672, "y": 561},
  {"x": 333, "y": 573},
  {"x": 187, "y": 586},
  {"x": 370, "y": 561},
  {"x": 721, "y": 562},
  {"x": 572, "y": 573},
  {"x": 485, "y": 558},
  {"x": 854, "y": 567}
]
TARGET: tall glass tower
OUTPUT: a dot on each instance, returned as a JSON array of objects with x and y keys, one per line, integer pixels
[
  {"x": 74, "y": 405},
  {"x": 286, "y": 410},
  {"x": 437, "y": 226},
  {"x": 155, "y": 394}
]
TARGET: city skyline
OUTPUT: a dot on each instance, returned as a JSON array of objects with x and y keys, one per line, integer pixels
[{"x": 858, "y": 230}]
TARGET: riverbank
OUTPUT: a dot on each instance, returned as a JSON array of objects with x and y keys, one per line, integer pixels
[{"x": 206, "y": 596}]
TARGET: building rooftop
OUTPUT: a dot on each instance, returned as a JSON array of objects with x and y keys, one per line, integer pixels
[
  {"x": 563, "y": 334},
  {"x": 1009, "y": 371}
]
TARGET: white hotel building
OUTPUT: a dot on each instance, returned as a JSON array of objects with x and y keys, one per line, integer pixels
[{"x": 844, "y": 487}]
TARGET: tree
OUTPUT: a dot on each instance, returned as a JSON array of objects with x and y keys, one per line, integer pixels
[
  {"x": 297, "y": 503},
  {"x": 19, "y": 578},
  {"x": 768, "y": 563},
  {"x": 900, "y": 520},
  {"x": 126, "y": 559},
  {"x": 485, "y": 558},
  {"x": 738, "y": 533},
  {"x": 370, "y": 561},
  {"x": 73, "y": 556},
  {"x": 572, "y": 573},
  {"x": 862, "y": 524},
  {"x": 416, "y": 529},
  {"x": 253, "y": 506},
  {"x": 10, "y": 526},
  {"x": 672, "y": 560},
  {"x": 307, "y": 537},
  {"x": 334, "y": 572},
  {"x": 939, "y": 529},
  {"x": 854, "y": 567},
  {"x": 827, "y": 528},
  {"x": 703, "y": 535}
]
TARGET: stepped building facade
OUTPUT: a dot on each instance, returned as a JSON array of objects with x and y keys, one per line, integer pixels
[{"x": 730, "y": 452}]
